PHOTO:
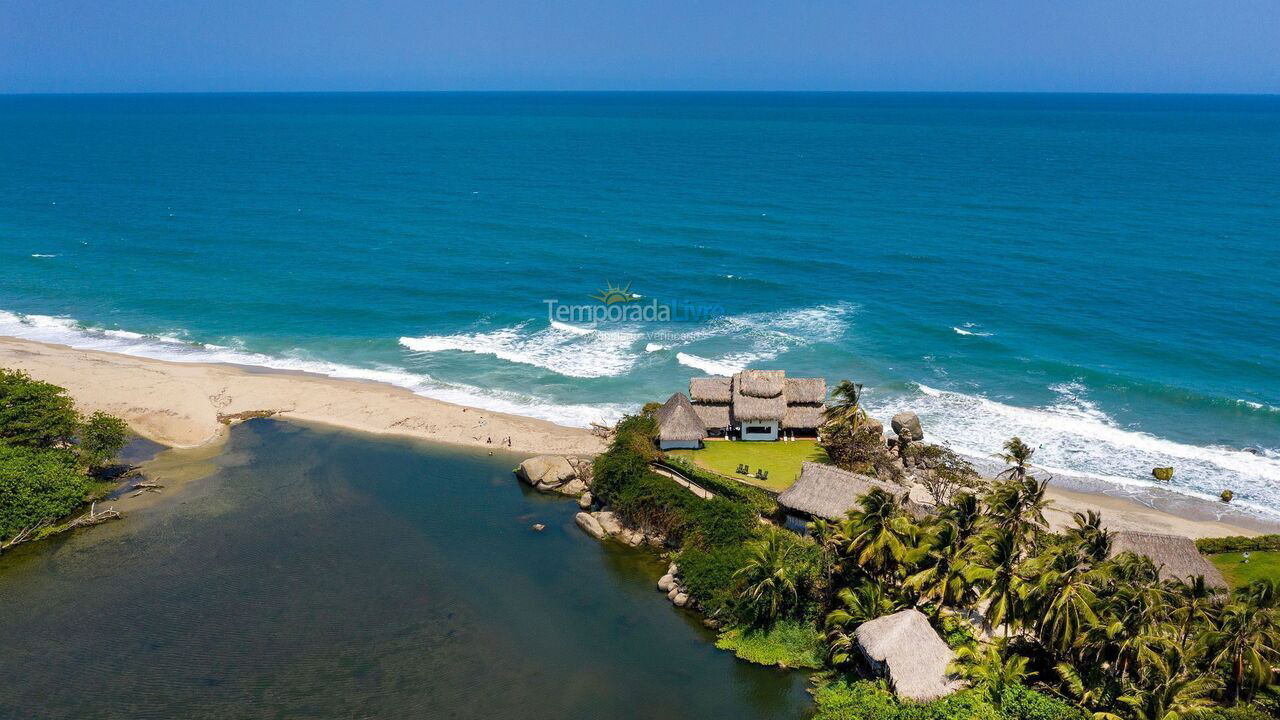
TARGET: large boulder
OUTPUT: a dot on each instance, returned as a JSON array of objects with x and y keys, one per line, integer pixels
[
  {"x": 574, "y": 488},
  {"x": 546, "y": 472},
  {"x": 608, "y": 520},
  {"x": 590, "y": 525},
  {"x": 585, "y": 500},
  {"x": 871, "y": 422},
  {"x": 666, "y": 582},
  {"x": 908, "y": 423}
]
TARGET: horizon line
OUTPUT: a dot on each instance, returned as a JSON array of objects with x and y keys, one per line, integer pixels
[{"x": 86, "y": 93}]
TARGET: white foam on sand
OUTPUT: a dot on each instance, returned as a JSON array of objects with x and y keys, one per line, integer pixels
[
  {"x": 172, "y": 346},
  {"x": 1074, "y": 437}
]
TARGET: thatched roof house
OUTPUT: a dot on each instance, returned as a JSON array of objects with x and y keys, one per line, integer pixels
[
  {"x": 678, "y": 425},
  {"x": 906, "y": 650},
  {"x": 1176, "y": 557},
  {"x": 759, "y": 404},
  {"x": 826, "y": 491}
]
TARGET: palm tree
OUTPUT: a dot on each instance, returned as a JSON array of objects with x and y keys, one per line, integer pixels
[
  {"x": 1018, "y": 455},
  {"x": 867, "y": 601},
  {"x": 999, "y": 563},
  {"x": 990, "y": 667},
  {"x": 769, "y": 576},
  {"x": 844, "y": 406},
  {"x": 828, "y": 539},
  {"x": 1018, "y": 503},
  {"x": 1247, "y": 641},
  {"x": 878, "y": 534},
  {"x": 947, "y": 577},
  {"x": 1173, "y": 688},
  {"x": 1067, "y": 609}
]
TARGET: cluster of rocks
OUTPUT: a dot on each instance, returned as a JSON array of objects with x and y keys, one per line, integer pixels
[
  {"x": 605, "y": 523},
  {"x": 572, "y": 476},
  {"x": 675, "y": 590}
]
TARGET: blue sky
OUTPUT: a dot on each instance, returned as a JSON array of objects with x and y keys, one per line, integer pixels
[{"x": 950, "y": 45}]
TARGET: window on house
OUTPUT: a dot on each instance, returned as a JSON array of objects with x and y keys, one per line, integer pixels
[{"x": 759, "y": 430}]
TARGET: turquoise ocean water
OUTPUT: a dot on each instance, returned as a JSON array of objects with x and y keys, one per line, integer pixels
[{"x": 1095, "y": 273}]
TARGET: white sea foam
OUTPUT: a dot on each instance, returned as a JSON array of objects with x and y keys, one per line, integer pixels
[
  {"x": 566, "y": 350},
  {"x": 654, "y": 347},
  {"x": 1076, "y": 438},
  {"x": 171, "y": 346},
  {"x": 42, "y": 255},
  {"x": 710, "y": 367},
  {"x": 968, "y": 330}
]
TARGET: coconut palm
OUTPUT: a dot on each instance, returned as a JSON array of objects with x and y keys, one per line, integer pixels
[
  {"x": 991, "y": 668},
  {"x": 854, "y": 606},
  {"x": 947, "y": 576},
  {"x": 1018, "y": 455},
  {"x": 1172, "y": 687},
  {"x": 844, "y": 407},
  {"x": 769, "y": 577},
  {"x": 999, "y": 572},
  {"x": 878, "y": 533},
  {"x": 1247, "y": 641},
  {"x": 1018, "y": 503},
  {"x": 827, "y": 537}
]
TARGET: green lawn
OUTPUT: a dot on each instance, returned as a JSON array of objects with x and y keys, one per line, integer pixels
[
  {"x": 1262, "y": 564},
  {"x": 781, "y": 459}
]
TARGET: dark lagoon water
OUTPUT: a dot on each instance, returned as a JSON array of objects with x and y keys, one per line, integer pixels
[{"x": 331, "y": 575}]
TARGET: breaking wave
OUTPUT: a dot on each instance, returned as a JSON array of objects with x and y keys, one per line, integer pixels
[
  {"x": 176, "y": 346},
  {"x": 1075, "y": 438},
  {"x": 564, "y": 349}
]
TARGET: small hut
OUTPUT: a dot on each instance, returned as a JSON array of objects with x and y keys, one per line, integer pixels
[
  {"x": 1176, "y": 556},
  {"x": 711, "y": 397},
  {"x": 826, "y": 491},
  {"x": 678, "y": 425},
  {"x": 906, "y": 650}
]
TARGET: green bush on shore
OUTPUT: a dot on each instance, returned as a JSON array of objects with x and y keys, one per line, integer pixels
[
  {"x": 1238, "y": 543},
  {"x": 863, "y": 700},
  {"x": 37, "y": 486},
  {"x": 791, "y": 644}
]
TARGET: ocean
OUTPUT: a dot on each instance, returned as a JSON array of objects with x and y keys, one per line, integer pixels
[{"x": 1094, "y": 273}]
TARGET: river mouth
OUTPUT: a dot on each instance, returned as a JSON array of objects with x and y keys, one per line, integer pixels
[{"x": 316, "y": 573}]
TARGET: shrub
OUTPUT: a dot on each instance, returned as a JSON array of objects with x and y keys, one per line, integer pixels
[
  {"x": 35, "y": 414},
  {"x": 101, "y": 437},
  {"x": 37, "y": 486},
  {"x": 1238, "y": 543},
  {"x": 861, "y": 700},
  {"x": 761, "y": 501},
  {"x": 791, "y": 644},
  {"x": 708, "y": 575},
  {"x": 1019, "y": 702}
]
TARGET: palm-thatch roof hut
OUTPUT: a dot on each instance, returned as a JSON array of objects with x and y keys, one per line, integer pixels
[
  {"x": 826, "y": 491},
  {"x": 758, "y": 404},
  {"x": 1176, "y": 556},
  {"x": 906, "y": 650},
  {"x": 678, "y": 425}
]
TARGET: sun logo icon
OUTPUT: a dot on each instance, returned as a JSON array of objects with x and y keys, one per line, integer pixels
[{"x": 613, "y": 294}]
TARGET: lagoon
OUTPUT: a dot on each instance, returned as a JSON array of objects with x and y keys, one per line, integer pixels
[{"x": 317, "y": 573}]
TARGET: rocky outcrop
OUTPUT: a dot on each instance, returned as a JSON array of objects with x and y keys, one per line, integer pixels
[
  {"x": 546, "y": 472},
  {"x": 585, "y": 500},
  {"x": 556, "y": 473},
  {"x": 908, "y": 423},
  {"x": 590, "y": 525}
]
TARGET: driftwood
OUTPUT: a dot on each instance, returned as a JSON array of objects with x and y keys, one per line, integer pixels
[
  {"x": 601, "y": 431},
  {"x": 89, "y": 519}
]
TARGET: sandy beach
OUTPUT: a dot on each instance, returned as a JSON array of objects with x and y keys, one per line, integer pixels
[{"x": 187, "y": 405}]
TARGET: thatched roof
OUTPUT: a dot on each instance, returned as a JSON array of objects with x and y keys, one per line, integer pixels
[
  {"x": 713, "y": 416},
  {"x": 803, "y": 417},
  {"x": 677, "y": 420},
  {"x": 828, "y": 492},
  {"x": 754, "y": 407},
  {"x": 760, "y": 383},
  {"x": 756, "y": 395},
  {"x": 911, "y": 655},
  {"x": 1176, "y": 556},
  {"x": 710, "y": 390},
  {"x": 806, "y": 390}
]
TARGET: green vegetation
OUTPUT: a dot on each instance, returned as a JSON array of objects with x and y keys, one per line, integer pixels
[
  {"x": 1262, "y": 565},
  {"x": 762, "y": 501},
  {"x": 1238, "y": 543},
  {"x": 787, "y": 644},
  {"x": 47, "y": 455},
  {"x": 781, "y": 459},
  {"x": 1091, "y": 636}
]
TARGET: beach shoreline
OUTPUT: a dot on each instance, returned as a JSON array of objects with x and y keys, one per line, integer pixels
[{"x": 188, "y": 405}]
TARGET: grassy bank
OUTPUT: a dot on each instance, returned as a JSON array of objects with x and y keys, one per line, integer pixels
[{"x": 781, "y": 459}]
